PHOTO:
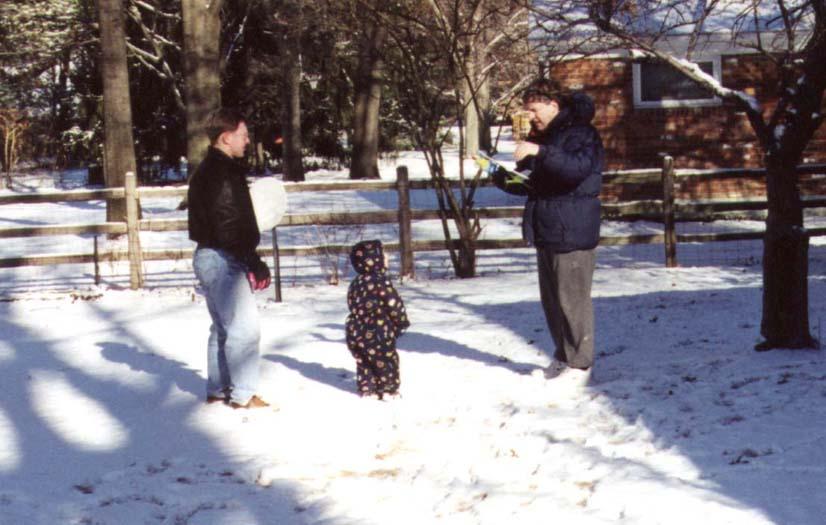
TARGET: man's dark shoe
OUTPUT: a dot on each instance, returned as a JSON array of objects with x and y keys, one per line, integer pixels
[
  {"x": 216, "y": 399},
  {"x": 555, "y": 369},
  {"x": 254, "y": 402}
]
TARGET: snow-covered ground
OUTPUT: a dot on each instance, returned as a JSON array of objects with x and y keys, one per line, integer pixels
[{"x": 102, "y": 419}]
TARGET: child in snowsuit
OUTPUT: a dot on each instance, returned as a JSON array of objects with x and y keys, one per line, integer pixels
[{"x": 377, "y": 318}]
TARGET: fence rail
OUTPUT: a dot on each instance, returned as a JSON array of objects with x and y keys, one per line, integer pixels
[
  {"x": 650, "y": 210},
  {"x": 667, "y": 210}
]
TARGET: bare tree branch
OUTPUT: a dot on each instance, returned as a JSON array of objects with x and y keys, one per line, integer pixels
[{"x": 155, "y": 62}]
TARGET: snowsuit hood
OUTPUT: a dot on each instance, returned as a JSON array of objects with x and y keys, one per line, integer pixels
[{"x": 368, "y": 257}]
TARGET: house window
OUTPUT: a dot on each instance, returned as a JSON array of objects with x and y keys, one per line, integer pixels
[{"x": 658, "y": 85}]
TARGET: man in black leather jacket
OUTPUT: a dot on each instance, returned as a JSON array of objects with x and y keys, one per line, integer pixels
[
  {"x": 222, "y": 222},
  {"x": 565, "y": 156}
]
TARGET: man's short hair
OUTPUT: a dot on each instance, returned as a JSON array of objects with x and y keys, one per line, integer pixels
[
  {"x": 221, "y": 121},
  {"x": 543, "y": 90}
]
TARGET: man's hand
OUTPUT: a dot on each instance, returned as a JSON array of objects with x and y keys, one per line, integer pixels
[
  {"x": 255, "y": 284},
  {"x": 510, "y": 183},
  {"x": 525, "y": 149},
  {"x": 259, "y": 278}
]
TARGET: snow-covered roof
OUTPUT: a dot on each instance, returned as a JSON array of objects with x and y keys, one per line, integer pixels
[{"x": 723, "y": 26}]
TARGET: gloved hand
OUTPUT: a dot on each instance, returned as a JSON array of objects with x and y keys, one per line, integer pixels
[
  {"x": 509, "y": 182},
  {"x": 259, "y": 275}
]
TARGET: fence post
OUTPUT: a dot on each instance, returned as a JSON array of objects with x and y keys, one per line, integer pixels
[
  {"x": 133, "y": 232},
  {"x": 97, "y": 262},
  {"x": 405, "y": 234},
  {"x": 276, "y": 261},
  {"x": 670, "y": 233}
]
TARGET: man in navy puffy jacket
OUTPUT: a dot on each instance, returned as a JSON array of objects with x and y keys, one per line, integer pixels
[{"x": 564, "y": 155}]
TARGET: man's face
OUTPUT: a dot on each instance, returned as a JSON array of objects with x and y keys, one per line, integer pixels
[
  {"x": 542, "y": 112},
  {"x": 236, "y": 141}
]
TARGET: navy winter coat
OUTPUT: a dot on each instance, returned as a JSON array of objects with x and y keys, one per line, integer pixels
[{"x": 562, "y": 213}]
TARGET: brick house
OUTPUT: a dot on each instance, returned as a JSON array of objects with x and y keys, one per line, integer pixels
[{"x": 645, "y": 110}]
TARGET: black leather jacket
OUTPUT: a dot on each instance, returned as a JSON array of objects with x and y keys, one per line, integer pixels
[{"x": 220, "y": 208}]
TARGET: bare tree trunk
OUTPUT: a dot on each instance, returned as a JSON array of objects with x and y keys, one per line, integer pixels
[
  {"x": 460, "y": 210},
  {"x": 476, "y": 89},
  {"x": 60, "y": 108},
  {"x": 477, "y": 112},
  {"x": 202, "y": 78},
  {"x": 485, "y": 114},
  {"x": 119, "y": 147},
  {"x": 785, "y": 321},
  {"x": 477, "y": 119},
  {"x": 8, "y": 146},
  {"x": 365, "y": 156},
  {"x": 471, "y": 117},
  {"x": 466, "y": 259},
  {"x": 291, "y": 110}
]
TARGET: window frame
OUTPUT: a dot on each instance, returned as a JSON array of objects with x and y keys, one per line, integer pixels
[{"x": 717, "y": 73}]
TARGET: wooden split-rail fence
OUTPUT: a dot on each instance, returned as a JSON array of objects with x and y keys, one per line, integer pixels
[{"x": 666, "y": 208}]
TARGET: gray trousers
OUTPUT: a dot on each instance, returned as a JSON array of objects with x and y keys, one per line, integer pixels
[{"x": 565, "y": 289}]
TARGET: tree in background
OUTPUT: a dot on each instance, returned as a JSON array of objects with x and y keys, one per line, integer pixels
[
  {"x": 49, "y": 52},
  {"x": 119, "y": 146},
  {"x": 491, "y": 40},
  {"x": 256, "y": 73},
  {"x": 370, "y": 37},
  {"x": 154, "y": 34},
  {"x": 432, "y": 67},
  {"x": 251, "y": 73},
  {"x": 38, "y": 42},
  {"x": 423, "y": 83},
  {"x": 287, "y": 28},
  {"x": 328, "y": 91},
  {"x": 13, "y": 124},
  {"x": 291, "y": 20},
  {"x": 202, "y": 72},
  {"x": 263, "y": 73},
  {"x": 791, "y": 36},
  {"x": 359, "y": 88},
  {"x": 81, "y": 143}
]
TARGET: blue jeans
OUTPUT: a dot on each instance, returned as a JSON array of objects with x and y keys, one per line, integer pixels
[{"x": 232, "y": 349}]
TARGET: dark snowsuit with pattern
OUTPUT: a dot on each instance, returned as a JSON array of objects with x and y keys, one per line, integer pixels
[{"x": 377, "y": 318}]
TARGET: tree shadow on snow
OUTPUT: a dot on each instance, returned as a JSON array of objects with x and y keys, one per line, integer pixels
[
  {"x": 681, "y": 365},
  {"x": 338, "y": 378},
  {"x": 186, "y": 379},
  {"x": 422, "y": 343},
  {"x": 75, "y": 433}
]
